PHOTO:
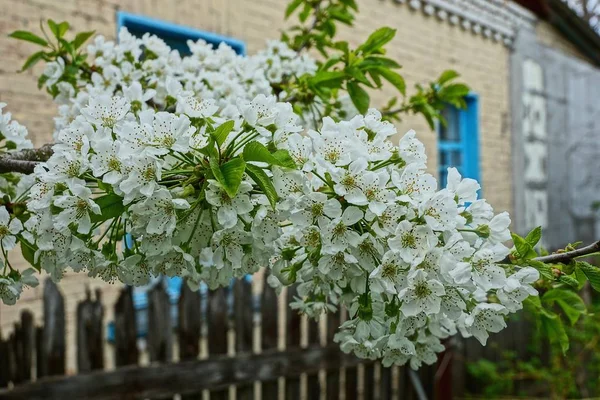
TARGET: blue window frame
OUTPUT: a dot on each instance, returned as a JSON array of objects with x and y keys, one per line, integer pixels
[
  {"x": 176, "y": 36},
  {"x": 458, "y": 141}
]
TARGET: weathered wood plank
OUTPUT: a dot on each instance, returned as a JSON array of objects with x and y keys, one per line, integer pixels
[
  {"x": 269, "y": 327},
  {"x": 189, "y": 323},
  {"x": 369, "y": 382},
  {"x": 90, "y": 333},
  {"x": 217, "y": 324},
  {"x": 333, "y": 375},
  {"x": 28, "y": 344},
  {"x": 351, "y": 383},
  {"x": 54, "y": 346},
  {"x": 4, "y": 364},
  {"x": 160, "y": 331},
  {"x": 313, "y": 387},
  {"x": 162, "y": 380},
  {"x": 126, "y": 350},
  {"x": 292, "y": 340},
  {"x": 385, "y": 383},
  {"x": 244, "y": 328}
]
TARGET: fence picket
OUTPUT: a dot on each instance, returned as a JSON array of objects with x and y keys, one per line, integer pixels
[
  {"x": 313, "y": 386},
  {"x": 217, "y": 324},
  {"x": 385, "y": 382},
  {"x": 24, "y": 345},
  {"x": 159, "y": 336},
  {"x": 90, "y": 336},
  {"x": 189, "y": 325},
  {"x": 333, "y": 376},
  {"x": 126, "y": 350},
  {"x": 244, "y": 328},
  {"x": 269, "y": 327},
  {"x": 292, "y": 340},
  {"x": 54, "y": 347},
  {"x": 4, "y": 364}
]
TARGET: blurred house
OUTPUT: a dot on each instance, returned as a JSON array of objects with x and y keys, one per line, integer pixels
[{"x": 531, "y": 68}]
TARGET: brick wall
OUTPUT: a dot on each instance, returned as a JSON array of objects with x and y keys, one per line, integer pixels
[{"x": 424, "y": 45}]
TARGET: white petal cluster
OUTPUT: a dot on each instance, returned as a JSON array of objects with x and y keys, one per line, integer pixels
[
  {"x": 13, "y": 136},
  {"x": 371, "y": 230},
  {"x": 343, "y": 208},
  {"x": 146, "y": 69}
]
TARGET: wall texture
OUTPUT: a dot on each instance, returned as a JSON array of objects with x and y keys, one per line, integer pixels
[
  {"x": 425, "y": 45},
  {"x": 555, "y": 131}
]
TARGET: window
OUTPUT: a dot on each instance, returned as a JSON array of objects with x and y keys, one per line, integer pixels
[
  {"x": 176, "y": 36},
  {"x": 458, "y": 141}
]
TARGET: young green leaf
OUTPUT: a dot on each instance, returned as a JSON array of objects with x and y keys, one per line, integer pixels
[
  {"x": 81, "y": 38},
  {"x": 32, "y": 60},
  {"x": 28, "y": 37},
  {"x": 522, "y": 246},
  {"x": 555, "y": 330},
  {"x": 229, "y": 174},
  {"x": 292, "y": 7},
  {"x": 263, "y": 181},
  {"x": 569, "y": 301},
  {"x": 377, "y": 40},
  {"x": 394, "y": 78},
  {"x": 111, "y": 206},
  {"x": 220, "y": 134},
  {"x": 256, "y": 151},
  {"x": 534, "y": 236},
  {"x": 591, "y": 272},
  {"x": 447, "y": 75},
  {"x": 360, "y": 98},
  {"x": 284, "y": 159}
]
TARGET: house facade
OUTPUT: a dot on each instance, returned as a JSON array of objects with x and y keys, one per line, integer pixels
[{"x": 477, "y": 38}]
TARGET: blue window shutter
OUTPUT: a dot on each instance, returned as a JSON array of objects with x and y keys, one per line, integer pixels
[
  {"x": 176, "y": 36},
  {"x": 458, "y": 141}
]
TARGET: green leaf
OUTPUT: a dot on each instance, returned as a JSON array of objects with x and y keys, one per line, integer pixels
[
  {"x": 569, "y": 280},
  {"x": 544, "y": 269},
  {"x": 447, "y": 75},
  {"x": 220, "y": 134},
  {"x": 591, "y": 272},
  {"x": 569, "y": 301},
  {"x": 263, "y": 181},
  {"x": 284, "y": 159},
  {"x": 256, "y": 151},
  {"x": 360, "y": 98},
  {"x": 394, "y": 78},
  {"x": 455, "y": 90},
  {"x": 28, "y": 37},
  {"x": 53, "y": 27},
  {"x": 523, "y": 248},
  {"x": 28, "y": 251},
  {"x": 229, "y": 174},
  {"x": 81, "y": 38},
  {"x": 32, "y": 60},
  {"x": 111, "y": 206},
  {"x": 534, "y": 236},
  {"x": 292, "y": 7},
  {"x": 555, "y": 330},
  {"x": 326, "y": 76},
  {"x": 377, "y": 39}
]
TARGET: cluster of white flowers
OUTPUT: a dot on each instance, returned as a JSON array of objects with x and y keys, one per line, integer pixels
[
  {"x": 229, "y": 179},
  {"x": 13, "y": 136},
  {"x": 146, "y": 70},
  {"x": 370, "y": 230}
]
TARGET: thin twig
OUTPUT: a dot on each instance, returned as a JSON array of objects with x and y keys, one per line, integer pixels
[{"x": 569, "y": 255}]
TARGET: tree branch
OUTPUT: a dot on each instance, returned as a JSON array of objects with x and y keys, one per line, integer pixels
[
  {"x": 567, "y": 256},
  {"x": 24, "y": 161}
]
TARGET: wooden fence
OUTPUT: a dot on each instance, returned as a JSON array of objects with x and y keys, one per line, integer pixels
[{"x": 244, "y": 358}]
